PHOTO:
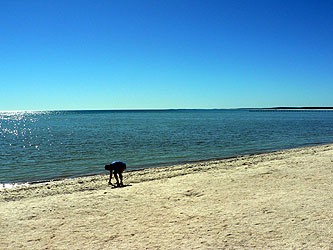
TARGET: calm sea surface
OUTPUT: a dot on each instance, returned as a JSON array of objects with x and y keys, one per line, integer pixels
[{"x": 36, "y": 146}]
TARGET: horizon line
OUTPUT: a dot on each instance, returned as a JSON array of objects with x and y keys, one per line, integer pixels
[{"x": 171, "y": 109}]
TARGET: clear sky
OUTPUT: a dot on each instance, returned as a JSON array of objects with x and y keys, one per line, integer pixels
[{"x": 160, "y": 54}]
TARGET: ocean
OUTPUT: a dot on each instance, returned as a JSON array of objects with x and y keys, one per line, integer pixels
[{"x": 40, "y": 146}]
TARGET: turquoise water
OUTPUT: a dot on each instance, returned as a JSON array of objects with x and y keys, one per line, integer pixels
[{"x": 37, "y": 146}]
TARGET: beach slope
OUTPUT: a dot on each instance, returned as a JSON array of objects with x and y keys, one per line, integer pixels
[{"x": 278, "y": 200}]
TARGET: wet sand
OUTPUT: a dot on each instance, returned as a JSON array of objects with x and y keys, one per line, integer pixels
[{"x": 278, "y": 200}]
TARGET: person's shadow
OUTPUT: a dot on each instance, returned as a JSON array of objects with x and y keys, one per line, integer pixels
[{"x": 115, "y": 186}]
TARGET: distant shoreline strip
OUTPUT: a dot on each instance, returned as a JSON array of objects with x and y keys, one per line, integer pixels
[{"x": 290, "y": 110}]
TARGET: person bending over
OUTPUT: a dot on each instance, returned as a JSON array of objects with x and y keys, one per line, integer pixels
[{"x": 117, "y": 168}]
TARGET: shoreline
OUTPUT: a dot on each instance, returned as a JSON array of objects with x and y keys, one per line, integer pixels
[
  {"x": 159, "y": 165},
  {"x": 275, "y": 200},
  {"x": 185, "y": 167}
]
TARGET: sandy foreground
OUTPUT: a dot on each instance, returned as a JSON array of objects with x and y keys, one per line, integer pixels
[{"x": 278, "y": 200}]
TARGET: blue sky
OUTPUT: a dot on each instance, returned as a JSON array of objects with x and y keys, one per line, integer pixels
[{"x": 160, "y": 54}]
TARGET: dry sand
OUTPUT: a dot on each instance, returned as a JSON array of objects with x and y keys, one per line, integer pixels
[{"x": 278, "y": 200}]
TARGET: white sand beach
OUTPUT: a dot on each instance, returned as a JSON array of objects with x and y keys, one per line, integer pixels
[{"x": 278, "y": 200}]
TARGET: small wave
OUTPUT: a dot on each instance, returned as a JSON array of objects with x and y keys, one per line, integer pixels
[{"x": 12, "y": 185}]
